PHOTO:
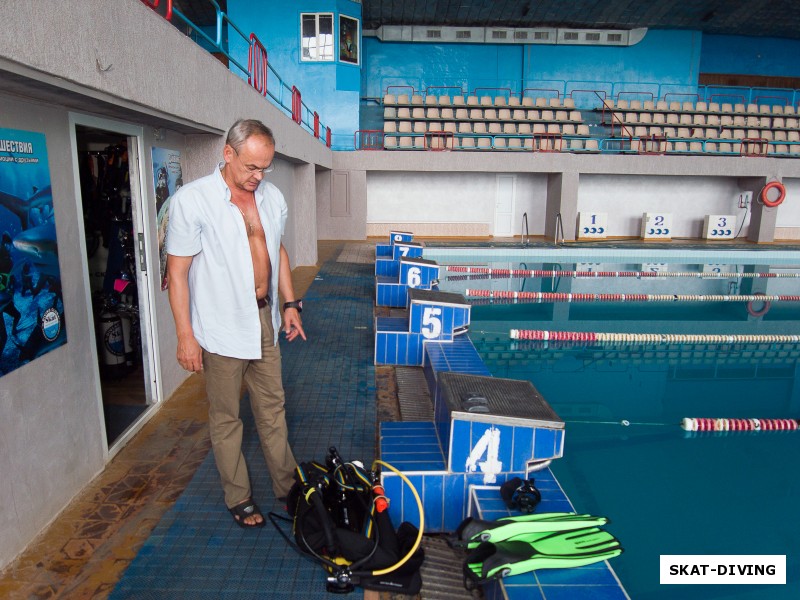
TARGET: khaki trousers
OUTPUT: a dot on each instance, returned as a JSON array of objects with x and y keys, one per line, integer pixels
[{"x": 224, "y": 376}]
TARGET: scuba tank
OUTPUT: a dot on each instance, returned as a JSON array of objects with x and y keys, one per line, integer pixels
[{"x": 111, "y": 344}]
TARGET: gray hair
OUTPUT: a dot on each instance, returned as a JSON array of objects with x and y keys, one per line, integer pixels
[{"x": 247, "y": 128}]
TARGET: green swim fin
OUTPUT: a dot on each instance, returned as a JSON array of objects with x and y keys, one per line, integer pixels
[
  {"x": 473, "y": 531},
  {"x": 532, "y": 551}
]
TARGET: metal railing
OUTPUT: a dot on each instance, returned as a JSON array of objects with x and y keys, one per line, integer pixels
[
  {"x": 559, "y": 227},
  {"x": 288, "y": 98},
  {"x": 580, "y": 90},
  {"x": 524, "y": 229}
]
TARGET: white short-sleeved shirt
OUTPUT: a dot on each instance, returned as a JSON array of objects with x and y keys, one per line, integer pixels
[{"x": 206, "y": 225}]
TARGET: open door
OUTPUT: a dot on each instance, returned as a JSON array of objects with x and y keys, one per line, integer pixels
[{"x": 118, "y": 290}]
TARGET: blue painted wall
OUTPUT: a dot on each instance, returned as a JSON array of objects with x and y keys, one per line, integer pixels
[
  {"x": 664, "y": 62},
  {"x": 669, "y": 58},
  {"x": 750, "y": 56},
  {"x": 329, "y": 88}
]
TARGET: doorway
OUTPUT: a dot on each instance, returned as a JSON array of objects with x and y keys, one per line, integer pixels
[
  {"x": 504, "y": 206},
  {"x": 116, "y": 272}
]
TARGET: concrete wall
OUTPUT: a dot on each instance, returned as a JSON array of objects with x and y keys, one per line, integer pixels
[
  {"x": 662, "y": 57},
  {"x": 688, "y": 200},
  {"x": 452, "y": 193},
  {"x": 330, "y": 88},
  {"x": 93, "y": 60},
  {"x": 342, "y": 201},
  {"x": 126, "y": 63},
  {"x": 449, "y": 203},
  {"x": 52, "y": 439},
  {"x": 745, "y": 55}
]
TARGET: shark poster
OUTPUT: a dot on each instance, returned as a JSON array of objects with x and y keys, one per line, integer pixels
[
  {"x": 168, "y": 179},
  {"x": 31, "y": 304}
]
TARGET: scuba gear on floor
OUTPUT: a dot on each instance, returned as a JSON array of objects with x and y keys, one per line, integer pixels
[
  {"x": 340, "y": 520},
  {"x": 472, "y": 531},
  {"x": 532, "y": 551},
  {"x": 520, "y": 495}
]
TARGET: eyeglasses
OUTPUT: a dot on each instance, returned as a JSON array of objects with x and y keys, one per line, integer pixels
[{"x": 251, "y": 169}]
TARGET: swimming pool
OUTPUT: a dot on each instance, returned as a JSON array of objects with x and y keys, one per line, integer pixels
[{"x": 666, "y": 491}]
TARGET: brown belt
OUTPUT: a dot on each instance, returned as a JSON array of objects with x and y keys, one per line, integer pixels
[{"x": 262, "y": 302}]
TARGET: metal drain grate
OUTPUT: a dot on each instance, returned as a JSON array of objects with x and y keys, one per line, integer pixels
[
  {"x": 413, "y": 395},
  {"x": 441, "y": 572}
]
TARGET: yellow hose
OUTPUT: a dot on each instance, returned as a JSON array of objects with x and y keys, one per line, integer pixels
[{"x": 410, "y": 553}]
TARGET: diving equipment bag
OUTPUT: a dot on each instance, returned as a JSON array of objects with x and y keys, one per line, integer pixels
[{"x": 340, "y": 519}]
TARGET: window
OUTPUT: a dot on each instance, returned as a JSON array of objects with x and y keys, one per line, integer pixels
[{"x": 317, "y": 36}]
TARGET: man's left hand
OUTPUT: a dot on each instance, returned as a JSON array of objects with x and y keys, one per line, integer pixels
[{"x": 292, "y": 324}]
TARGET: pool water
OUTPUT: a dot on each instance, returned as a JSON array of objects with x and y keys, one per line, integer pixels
[{"x": 666, "y": 491}]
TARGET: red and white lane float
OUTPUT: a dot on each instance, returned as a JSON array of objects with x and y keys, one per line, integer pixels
[
  {"x": 705, "y": 424},
  {"x": 753, "y": 300},
  {"x": 648, "y": 338},
  {"x": 486, "y": 272}
]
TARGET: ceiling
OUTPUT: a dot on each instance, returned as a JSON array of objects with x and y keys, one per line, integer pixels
[
  {"x": 770, "y": 18},
  {"x": 778, "y": 18}
]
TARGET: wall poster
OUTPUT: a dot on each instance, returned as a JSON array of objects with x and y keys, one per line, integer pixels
[
  {"x": 167, "y": 179},
  {"x": 31, "y": 302},
  {"x": 348, "y": 39}
]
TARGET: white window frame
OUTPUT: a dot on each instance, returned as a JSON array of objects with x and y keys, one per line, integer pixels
[{"x": 326, "y": 45}]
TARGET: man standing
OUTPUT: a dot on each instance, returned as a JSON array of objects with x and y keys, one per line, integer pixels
[{"x": 226, "y": 265}]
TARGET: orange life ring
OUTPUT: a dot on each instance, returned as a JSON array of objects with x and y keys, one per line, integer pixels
[
  {"x": 765, "y": 306},
  {"x": 777, "y": 185}
]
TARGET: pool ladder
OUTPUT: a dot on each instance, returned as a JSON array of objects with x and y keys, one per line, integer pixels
[
  {"x": 559, "y": 228},
  {"x": 525, "y": 233}
]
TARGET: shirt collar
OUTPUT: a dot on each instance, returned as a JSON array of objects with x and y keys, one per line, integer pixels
[{"x": 259, "y": 193}]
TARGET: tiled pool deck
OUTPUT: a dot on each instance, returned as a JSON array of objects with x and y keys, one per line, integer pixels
[{"x": 156, "y": 510}]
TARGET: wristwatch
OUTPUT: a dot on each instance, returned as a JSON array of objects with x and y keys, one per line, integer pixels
[{"x": 298, "y": 304}]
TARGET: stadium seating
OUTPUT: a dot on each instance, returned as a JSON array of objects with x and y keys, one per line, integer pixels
[{"x": 507, "y": 121}]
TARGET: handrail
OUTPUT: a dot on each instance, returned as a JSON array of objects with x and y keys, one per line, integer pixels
[
  {"x": 557, "y": 93},
  {"x": 559, "y": 227},
  {"x": 444, "y": 87},
  {"x": 257, "y": 62},
  {"x": 257, "y": 68},
  {"x": 568, "y": 88},
  {"x": 622, "y": 128},
  {"x": 525, "y": 233},
  {"x": 636, "y": 93},
  {"x": 502, "y": 89},
  {"x": 154, "y": 5}
]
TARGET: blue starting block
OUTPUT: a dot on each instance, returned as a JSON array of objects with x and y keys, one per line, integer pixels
[
  {"x": 490, "y": 430},
  {"x": 394, "y": 279},
  {"x": 384, "y": 251},
  {"x": 432, "y": 315},
  {"x": 401, "y": 237}
]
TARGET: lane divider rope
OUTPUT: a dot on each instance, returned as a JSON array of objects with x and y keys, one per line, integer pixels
[
  {"x": 585, "y": 297},
  {"x": 649, "y": 338},
  {"x": 484, "y": 272},
  {"x": 704, "y": 424}
]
